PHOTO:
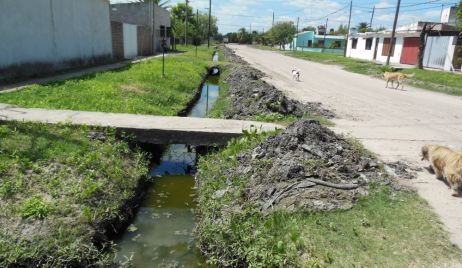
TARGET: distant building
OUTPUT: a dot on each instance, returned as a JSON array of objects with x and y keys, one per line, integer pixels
[
  {"x": 309, "y": 41},
  {"x": 138, "y": 29},
  {"x": 43, "y": 36}
]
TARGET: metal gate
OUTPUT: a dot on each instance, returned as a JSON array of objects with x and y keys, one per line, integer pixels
[
  {"x": 410, "y": 51},
  {"x": 436, "y": 51}
]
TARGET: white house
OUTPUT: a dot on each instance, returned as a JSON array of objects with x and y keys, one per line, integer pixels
[{"x": 442, "y": 51}]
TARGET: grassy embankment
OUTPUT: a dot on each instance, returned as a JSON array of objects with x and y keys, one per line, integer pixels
[
  {"x": 383, "y": 229},
  {"x": 138, "y": 88},
  {"x": 61, "y": 191},
  {"x": 222, "y": 105}
]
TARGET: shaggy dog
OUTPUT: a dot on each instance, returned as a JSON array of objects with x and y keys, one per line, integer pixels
[
  {"x": 295, "y": 74},
  {"x": 446, "y": 163},
  {"x": 396, "y": 76}
]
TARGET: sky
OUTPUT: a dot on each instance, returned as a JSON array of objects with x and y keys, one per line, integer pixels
[{"x": 258, "y": 14}]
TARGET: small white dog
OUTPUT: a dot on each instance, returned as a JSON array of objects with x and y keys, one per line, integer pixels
[{"x": 296, "y": 74}]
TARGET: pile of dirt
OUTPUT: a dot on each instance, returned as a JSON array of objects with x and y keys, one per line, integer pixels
[
  {"x": 250, "y": 96},
  {"x": 306, "y": 166}
]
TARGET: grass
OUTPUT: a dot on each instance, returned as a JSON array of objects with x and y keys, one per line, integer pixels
[
  {"x": 60, "y": 192},
  {"x": 138, "y": 88},
  {"x": 383, "y": 229}
]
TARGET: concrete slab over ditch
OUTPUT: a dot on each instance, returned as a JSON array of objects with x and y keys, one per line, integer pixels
[{"x": 146, "y": 128}]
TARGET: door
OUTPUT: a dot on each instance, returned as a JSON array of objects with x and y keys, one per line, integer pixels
[
  {"x": 436, "y": 51},
  {"x": 376, "y": 47},
  {"x": 130, "y": 41},
  {"x": 410, "y": 50}
]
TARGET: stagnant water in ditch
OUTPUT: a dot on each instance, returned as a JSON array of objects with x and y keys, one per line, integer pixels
[{"x": 160, "y": 235}]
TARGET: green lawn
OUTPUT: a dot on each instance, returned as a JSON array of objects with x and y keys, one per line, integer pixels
[
  {"x": 382, "y": 229},
  {"x": 138, "y": 88},
  {"x": 61, "y": 193}
]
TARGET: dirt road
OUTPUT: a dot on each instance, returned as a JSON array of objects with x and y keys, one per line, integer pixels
[{"x": 392, "y": 123}]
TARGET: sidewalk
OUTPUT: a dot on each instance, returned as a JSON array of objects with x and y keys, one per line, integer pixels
[{"x": 75, "y": 73}]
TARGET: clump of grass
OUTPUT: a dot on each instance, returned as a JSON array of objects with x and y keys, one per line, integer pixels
[
  {"x": 383, "y": 229},
  {"x": 59, "y": 192},
  {"x": 138, "y": 88}
]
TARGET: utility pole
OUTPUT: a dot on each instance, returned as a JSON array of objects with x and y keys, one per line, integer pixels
[
  {"x": 372, "y": 17},
  {"x": 273, "y": 20},
  {"x": 325, "y": 33},
  {"x": 348, "y": 30},
  {"x": 186, "y": 23},
  {"x": 210, "y": 16},
  {"x": 295, "y": 42},
  {"x": 392, "y": 43}
]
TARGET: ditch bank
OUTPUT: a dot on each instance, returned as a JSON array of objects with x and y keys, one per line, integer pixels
[
  {"x": 249, "y": 96},
  {"x": 305, "y": 168}
]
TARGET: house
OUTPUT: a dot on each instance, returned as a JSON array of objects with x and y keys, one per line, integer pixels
[
  {"x": 139, "y": 29},
  {"x": 376, "y": 46},
  {"x": 310, "y": 41},
  {"x": 442, "y": 51},
  {"x": 43, "y": 36}
]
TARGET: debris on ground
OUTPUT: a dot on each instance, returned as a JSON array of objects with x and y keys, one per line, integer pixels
[
  {"x": 250, "y": 96},
  {"x": 401, "y": 170},
  {"x": 307, "y": 166}
]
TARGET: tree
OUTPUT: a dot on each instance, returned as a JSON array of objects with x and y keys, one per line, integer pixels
[
  {"x": 342, "y": 30},
  {"x": 179, "y": 11},
  {"x": 197, "y": 28},
  {"x": 459, "y": 15},
  {"x": 427, "y": 28},
  {"x": 309, "y": 28},
  {"x": 363, "y": 27},
  {"x": 282, "y": 33}
]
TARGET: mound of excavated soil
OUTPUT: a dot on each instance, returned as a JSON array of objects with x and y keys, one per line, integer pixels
[
  {"x": 250, "y": 96},
  {"x": 307, "y": 166}
]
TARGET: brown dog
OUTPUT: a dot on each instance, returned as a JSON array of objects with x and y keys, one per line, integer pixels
[
  {"x": 446, "y": 163},
  {"x": 396, "y": 76}
]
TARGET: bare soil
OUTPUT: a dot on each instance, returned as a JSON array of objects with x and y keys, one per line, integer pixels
[
  {"x": 249, "y": 95},
  {"x": 288, "y": 171}
]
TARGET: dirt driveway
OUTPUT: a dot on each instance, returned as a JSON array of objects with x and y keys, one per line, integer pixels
[{"x": 392, "y": 123}]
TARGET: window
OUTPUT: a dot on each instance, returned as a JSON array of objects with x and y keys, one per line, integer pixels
[
  {"x": 354, "y": 43},
  {"x": 369, "y": 43},
  {"x": 386, "y": 47},
  {"x": 310, "y": 43},
  {"x": 336, "y": 44},
  {"x": 162, "y": 31},
  {"x": 169, "y": 32}
]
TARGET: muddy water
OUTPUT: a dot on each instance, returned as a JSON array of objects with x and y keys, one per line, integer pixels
[{"x": 160, "y": 235}]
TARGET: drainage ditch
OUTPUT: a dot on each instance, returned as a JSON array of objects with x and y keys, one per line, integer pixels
[{"x": 161, "y": 232}]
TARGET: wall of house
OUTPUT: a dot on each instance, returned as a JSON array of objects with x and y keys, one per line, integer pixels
[
  {"x": 397, "y": 54},
  {"x": 52, "y": 34},
  {"x": 131, "y": 13},
  {"x": 139, "y": 14},
  {"x": 161, "y": 18},
  {"x": 302, "y": 38},
  {"x": 360, "y": 52}
]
